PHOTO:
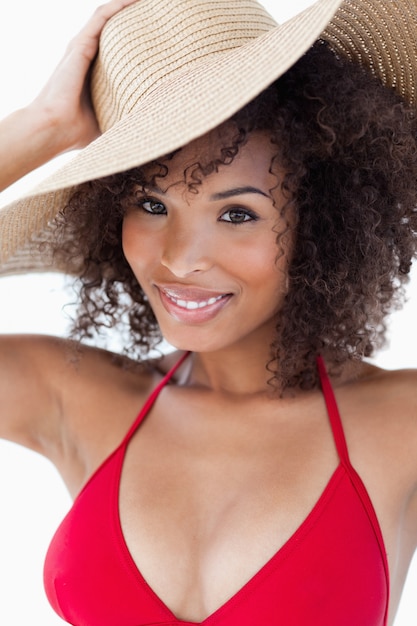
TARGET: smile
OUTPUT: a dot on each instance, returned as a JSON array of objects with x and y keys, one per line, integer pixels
[
  {"x": 193, "y": 304},
  {"x": 190, "y": 305}
]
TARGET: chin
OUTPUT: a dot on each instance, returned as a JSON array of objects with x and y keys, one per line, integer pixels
[{"x": 191, "y": 341}]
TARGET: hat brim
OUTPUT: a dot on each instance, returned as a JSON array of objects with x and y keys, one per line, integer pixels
[{"x": 208, "y": 94}]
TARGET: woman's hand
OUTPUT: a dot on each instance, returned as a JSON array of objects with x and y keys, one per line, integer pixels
[
  {"x": 65, "y": 98},
  {"x": 61, "y": 117}
]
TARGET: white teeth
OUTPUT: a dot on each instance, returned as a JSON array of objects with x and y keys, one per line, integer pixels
[{"x": 191, "y": 304}]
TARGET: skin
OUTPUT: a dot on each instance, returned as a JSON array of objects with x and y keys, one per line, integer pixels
[
  {"x": 190, "y": 496},
  {"x": 206, "y": 245},
  {"x": 60, "y": 118}
]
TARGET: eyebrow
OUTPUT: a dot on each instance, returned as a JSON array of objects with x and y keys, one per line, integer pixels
[
  {"x": 220, "y": 195},
  {"x": 237, "y": 191}
]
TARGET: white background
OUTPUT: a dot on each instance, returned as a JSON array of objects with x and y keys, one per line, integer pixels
[{"x": 33, "y": 500}]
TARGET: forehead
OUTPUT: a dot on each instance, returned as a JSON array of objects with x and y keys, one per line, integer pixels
[{"x": 209, "y": 159}]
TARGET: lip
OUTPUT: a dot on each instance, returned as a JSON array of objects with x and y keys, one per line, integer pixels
[{"x": 192, "y": 305}]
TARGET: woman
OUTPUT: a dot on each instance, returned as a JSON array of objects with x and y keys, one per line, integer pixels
[{"x": 261, "y": 218}]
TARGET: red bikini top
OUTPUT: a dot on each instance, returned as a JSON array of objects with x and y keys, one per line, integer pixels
[{"x": 332, "y": 571}]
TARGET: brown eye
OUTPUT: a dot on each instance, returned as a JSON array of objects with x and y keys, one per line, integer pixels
[
  {"x": 152, "y": 206},
  {"x": 238, "y": 216}
]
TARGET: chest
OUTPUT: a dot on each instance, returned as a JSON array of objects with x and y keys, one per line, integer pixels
[
  {"x": 214, "y": 499},
  {"x": 195, "y": 524}
]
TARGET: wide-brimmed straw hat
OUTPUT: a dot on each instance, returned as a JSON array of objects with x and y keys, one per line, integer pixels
[{"x": 168, "y": 71}]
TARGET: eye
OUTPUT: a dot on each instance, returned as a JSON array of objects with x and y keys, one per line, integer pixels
[
  {"x": 238, "y": 216},
  {"x": 154, "y": 207}
]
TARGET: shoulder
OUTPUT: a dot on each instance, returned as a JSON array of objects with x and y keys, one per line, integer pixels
[
  {"x": 378, "y": 389},
  {"x": 382, "y": 403},
  {"x": 68, "y": 365},
  {"x": 104, "y": 385},
  {"x": 75, "y": 370},
  {"x": 379, "y": 416},
  {"x": 388, "y": 393},
  {"x": 392, "y": 396},
  {"x": 97, "y": 393}
]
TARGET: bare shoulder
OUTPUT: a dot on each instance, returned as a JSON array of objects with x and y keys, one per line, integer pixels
[
  {"x": 66, "y": 363},
  {"x": 102, "y": 389},
  {"x": 103, "y": 394},
  {"x": 376, "y": 388},
  {"x": 390, "y": 391},
  {"x": 71, "y": 402},
  {"x": 380, "y": 422},
  {"x": 379, "y": 415},
  {"x": 381, "y": 402},
  {"x": 393, "y": 396}
]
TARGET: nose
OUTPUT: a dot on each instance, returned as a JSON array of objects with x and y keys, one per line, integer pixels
[{"x": 186, "y": 250}]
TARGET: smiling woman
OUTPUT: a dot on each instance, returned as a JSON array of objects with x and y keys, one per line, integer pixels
[
  {"x": 198, "y": 227},
  {"x": 256, "y": 247}
]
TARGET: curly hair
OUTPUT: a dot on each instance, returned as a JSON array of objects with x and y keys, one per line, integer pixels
[{"x": 348, "y": 146}]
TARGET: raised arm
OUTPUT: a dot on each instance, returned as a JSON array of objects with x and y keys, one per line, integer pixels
[
  {"x": 35, "y": 372},
  {"x": 61, "y": 117}
]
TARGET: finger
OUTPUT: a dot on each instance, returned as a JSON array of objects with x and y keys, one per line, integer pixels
[
  {"x": 109, "y": 9},
  {"x": 87, "y": 39}
]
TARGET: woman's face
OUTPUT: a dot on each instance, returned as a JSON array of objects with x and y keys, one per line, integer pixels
[{"x": 208, "y": 261}]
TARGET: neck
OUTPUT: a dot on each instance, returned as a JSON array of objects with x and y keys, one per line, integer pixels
[{"x": 237, "y": 370}]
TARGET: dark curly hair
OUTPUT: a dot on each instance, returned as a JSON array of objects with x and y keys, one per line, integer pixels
[{"x": 348, "y": 146}]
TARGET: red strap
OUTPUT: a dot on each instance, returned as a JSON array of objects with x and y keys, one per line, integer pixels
[
  {"x": 333, "y": 412},
  {"x": 153, "y": 396},
  {"x": 340, "y": 441}
]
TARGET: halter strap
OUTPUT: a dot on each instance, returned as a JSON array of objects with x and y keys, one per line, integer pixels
[
  {"x": 333, "y": 413},
  {"x": 153, "y": 396}
]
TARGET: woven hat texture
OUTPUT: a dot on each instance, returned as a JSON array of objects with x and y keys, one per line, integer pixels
[{"x": 168, "y": 72}]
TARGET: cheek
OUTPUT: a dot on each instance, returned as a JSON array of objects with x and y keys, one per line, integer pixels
[
  {"x": 136, "y": 245},
  {"x": 263, "y": 260},
  {"x": 267, "y": 273},
  {"x": 128, "y": 240}
]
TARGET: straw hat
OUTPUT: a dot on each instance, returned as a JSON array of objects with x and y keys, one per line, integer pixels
[{"x": 169, "y": 71}]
